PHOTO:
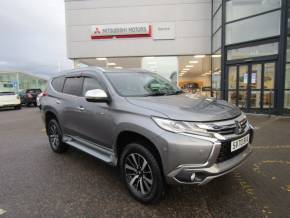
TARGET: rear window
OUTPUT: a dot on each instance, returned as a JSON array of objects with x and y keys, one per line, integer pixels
[
  {"x": 7, "y": 93},
  {"x": 73, "y": 86},
  {"x": 33, "y": 90},
  {"x": 57, "y": 83}
]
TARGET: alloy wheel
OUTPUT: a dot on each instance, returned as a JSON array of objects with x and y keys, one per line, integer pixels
[
  {"x": 138, "y": 173},
  {"x": 53, "y": 135}
]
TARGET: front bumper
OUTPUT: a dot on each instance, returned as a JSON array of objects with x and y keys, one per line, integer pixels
[{"x": 202, "y": 173}]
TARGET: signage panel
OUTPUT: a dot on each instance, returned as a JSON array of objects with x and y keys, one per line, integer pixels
[{"x": 121, "y": 31}]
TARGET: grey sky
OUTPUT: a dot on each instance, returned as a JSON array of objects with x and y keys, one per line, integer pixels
[{"x": 32, "y": 36}]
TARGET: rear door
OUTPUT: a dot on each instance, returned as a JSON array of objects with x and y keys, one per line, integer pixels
[{"x": 72, "y": 91}]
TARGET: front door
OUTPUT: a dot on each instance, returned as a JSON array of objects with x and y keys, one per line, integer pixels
[{"x": 251, "y": 86}]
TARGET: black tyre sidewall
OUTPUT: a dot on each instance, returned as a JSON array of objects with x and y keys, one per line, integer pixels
[
  {"x": 62, "y": 146},
  {"x": 158, "y": 185}
]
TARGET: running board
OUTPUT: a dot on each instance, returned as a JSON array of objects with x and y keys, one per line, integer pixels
[{"x": 91, "y": 149}]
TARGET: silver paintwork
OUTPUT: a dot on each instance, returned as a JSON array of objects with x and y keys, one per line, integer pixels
[{"x": 94, "y": 127}]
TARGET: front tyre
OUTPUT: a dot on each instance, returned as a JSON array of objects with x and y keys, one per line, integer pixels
[
  {"x": 141, "y": 174},
  {"x": 55, "y": 137}
]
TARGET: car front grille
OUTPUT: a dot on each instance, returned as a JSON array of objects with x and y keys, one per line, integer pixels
[
  {"x": 231, "y": 128},
  {"x": 226, "y": 154}
]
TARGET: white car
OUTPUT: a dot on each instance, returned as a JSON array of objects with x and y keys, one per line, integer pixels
[{"x": 10, "y": 99}]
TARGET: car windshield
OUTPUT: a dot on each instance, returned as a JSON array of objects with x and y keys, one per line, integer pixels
[
  {"x": 7, "y": 93},
  {"x": 141, "y": 84}
]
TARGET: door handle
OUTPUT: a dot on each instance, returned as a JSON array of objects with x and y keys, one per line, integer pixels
[
  {"x": 81, "y": 108},
  {"x": 57, "y": 101}
]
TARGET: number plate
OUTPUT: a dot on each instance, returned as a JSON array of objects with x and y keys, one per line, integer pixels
[{"x": 239, "y": 143}]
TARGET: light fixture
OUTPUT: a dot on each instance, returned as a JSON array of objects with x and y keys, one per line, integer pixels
[
  {"x": 111, "y": 64},
  {"x": 101, "y": 59},
  {"x": 183, "y": 71},
  {"x": 193, "y": 62},
  {"x": 216, "y": 56},
  {"x": 118, "y": 67},
  {"x": 186, "y": 69},
  {"x": 199, "y": 56},
  {"x": 189, "y": 66}
]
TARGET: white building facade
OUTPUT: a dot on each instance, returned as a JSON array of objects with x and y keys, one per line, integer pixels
[{"x": 229, "y": 49}]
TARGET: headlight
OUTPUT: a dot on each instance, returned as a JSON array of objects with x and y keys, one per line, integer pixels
[{"x": 181, "y": 127}]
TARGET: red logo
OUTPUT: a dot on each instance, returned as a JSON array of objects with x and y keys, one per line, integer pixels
[{"x": 97, "y": 31}]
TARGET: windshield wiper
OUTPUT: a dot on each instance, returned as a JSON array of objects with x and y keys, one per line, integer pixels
[
  {"x": 157, "y": 94},
  {"x": 176, "y": 92}
]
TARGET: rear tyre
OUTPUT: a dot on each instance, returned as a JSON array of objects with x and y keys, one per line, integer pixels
[
  {"x": 141, "y": 174},
  {"x": 18, "y": 107},
  {"x": 55, "y": 137}
]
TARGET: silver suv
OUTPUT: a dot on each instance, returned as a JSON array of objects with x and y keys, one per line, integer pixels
[{"x": 149, "y": 128}]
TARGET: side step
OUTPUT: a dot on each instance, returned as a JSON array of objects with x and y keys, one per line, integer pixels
[{"x": 91, "y": 149}]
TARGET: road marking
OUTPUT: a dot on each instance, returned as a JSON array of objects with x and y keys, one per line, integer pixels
[
  {"x": 272, "y": 147},
  {"x": 249, "y": 190},
  {"x": 286, "y": 188},
  {"x": 2, "y": 211}
]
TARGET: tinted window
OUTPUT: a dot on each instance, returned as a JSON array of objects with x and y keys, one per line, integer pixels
[
  {"x": 90, "y": 84},
  {"x": 57, "y": 83},
  {"x": 73, "y": 86}
]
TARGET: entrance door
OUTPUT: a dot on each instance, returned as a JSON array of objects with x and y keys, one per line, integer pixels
[{"x": 251, "y": 86}]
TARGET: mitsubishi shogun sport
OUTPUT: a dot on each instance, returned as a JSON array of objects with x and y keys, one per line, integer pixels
[{"x": 154, "y": 132}]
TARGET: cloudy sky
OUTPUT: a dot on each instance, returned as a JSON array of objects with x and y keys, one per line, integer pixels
[{"x": 32, "y": 36}]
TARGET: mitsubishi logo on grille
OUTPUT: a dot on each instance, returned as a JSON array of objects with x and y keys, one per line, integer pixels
[{"x": 239, "y": 128}]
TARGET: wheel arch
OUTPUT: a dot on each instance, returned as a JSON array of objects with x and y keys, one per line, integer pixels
[{"x": 128, "y": 136}]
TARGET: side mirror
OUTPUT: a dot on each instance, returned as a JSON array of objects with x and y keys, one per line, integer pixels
[{"x": 96, "y": 95}]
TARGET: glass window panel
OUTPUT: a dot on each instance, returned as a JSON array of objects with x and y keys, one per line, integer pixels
[
  {"x": 217, "y": 40},
  {"x": 242, "y": 102},
  {"x": 243, "y": 77},
  {"x": 288, "y": 19},
  {"x": 237, "y": 9},
  {"x": 287, "y": 100},
  {"x": 287, "y": 77},
  {"x": 255, "y": 99},
  {"x": 268, "y": 99},
  {"x": 216, "y": 70},
  {"x": 217, "y": 94},
  {"x": 256, "y": 76},
  {"x": 288, "y": 49},
  {"x": 217, "y": 20},
  {"x": 253, "y": 51},
  {"x": 262, "y": 26},
  {"x": 232, "y": 97},
  {"x": 233, "y": 77},
  {"x": 269, "y": 76},
  {"x": 216, "y": 5}
]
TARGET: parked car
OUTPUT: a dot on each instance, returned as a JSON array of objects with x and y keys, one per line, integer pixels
[
  {"x": 10, "y": 99},
  {"x": 28, "y": 96},
  {"x": 38, "y": 103},
  {"x": 144, "y": 124}
]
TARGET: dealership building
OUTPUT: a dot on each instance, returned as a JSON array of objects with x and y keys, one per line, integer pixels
[
  {"x": 237, "y": 50},
  {"x": 16, "y": 81}
]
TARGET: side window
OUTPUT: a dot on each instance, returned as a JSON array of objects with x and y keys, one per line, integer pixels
[
  {"x": 90, "y": 84},
  {"x": 73, "y": 86},
  {"x": 57, "y": 83}
]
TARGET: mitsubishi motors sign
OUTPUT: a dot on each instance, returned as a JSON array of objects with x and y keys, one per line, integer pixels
[{"x": 121, "y": 31}]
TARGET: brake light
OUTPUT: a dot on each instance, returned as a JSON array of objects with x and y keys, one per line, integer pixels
[{"x": 45, "y": 93}]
